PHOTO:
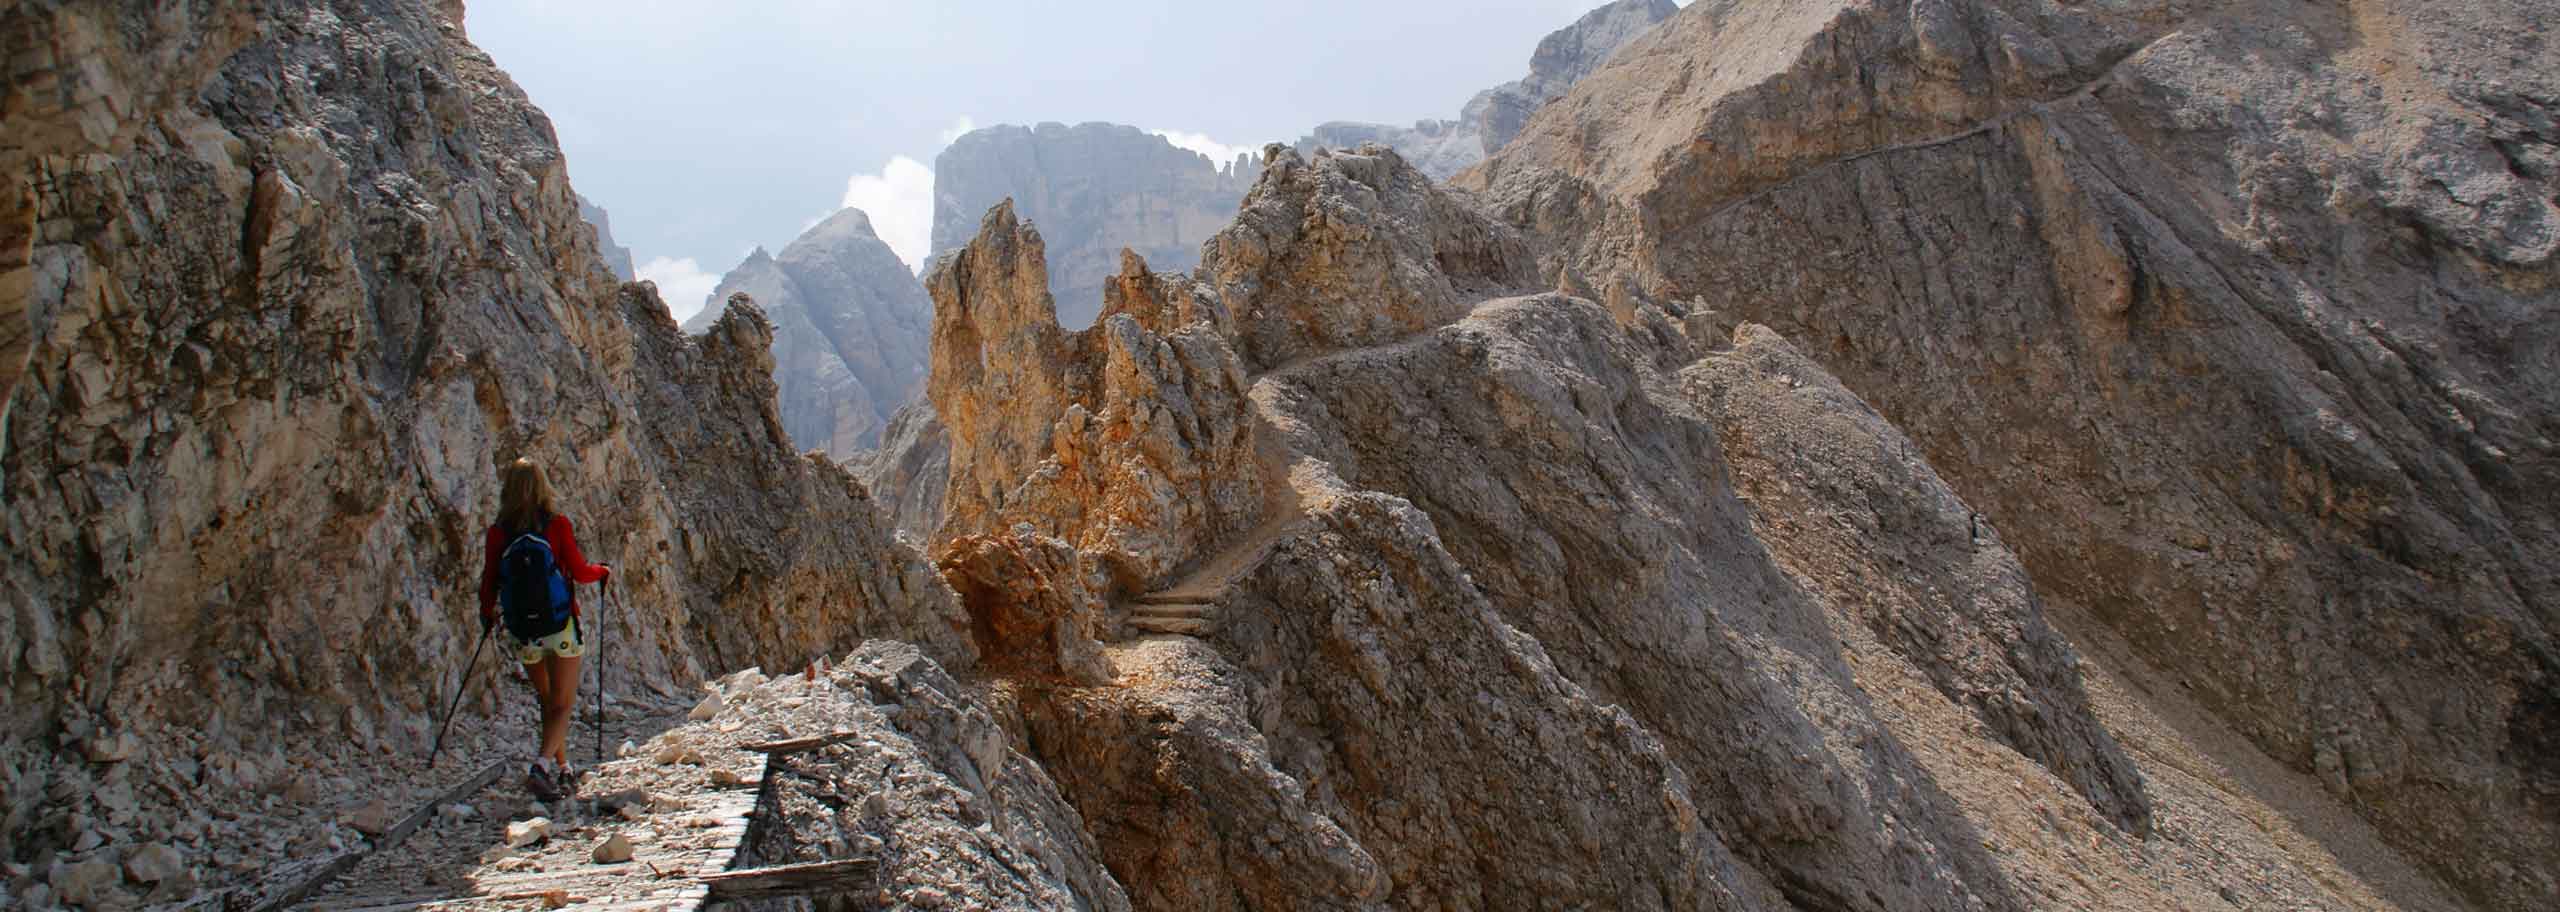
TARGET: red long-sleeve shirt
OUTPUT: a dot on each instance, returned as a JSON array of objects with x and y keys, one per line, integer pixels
[{"x": 564, "y": 552}]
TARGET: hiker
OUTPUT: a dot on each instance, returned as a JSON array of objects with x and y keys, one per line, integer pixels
[{"x": 525, "y": 580}]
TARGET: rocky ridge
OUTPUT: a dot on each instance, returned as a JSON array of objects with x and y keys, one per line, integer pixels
[
  {"x": 849, "y": 330},
  {"x": 1095, "y": 189},
  {"x": 1536, "y": 559},
  {"x": 2228, "y": 315},
  {"x": 616, "y": 257},
  {"x": 1401, "y": 555},
  {"x": 1442, "y": 148},
  {"x": 293, "y": 287}
]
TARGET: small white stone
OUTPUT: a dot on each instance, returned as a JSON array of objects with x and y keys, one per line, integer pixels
[
  {"x": 371, "y": 819},
  {"x": 111, "y": 748},
  {"x": 153, "y": 863},
  {"x": 81, "y": 883},
  {"x": 710, "y": 706},
  {"x": 528, "y": 832},
  {"x": 615, "y": 849}
]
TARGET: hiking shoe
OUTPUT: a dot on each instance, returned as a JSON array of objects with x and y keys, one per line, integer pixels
[{"x": 539, "y": 781}]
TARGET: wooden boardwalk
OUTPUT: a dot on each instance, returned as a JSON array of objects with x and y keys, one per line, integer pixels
[{"x": 684, "y": 804}]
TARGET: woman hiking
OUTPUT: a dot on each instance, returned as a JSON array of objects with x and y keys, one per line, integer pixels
[{"x": 531, "y": 559}]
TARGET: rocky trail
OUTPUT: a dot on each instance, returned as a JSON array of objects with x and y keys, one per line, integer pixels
[
  {"x": 484, "y": 841},
  {"x": 1189, "y": 607}
]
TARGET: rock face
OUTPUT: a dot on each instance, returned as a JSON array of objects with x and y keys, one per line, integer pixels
[
  {"x": 961, "y": 818},
  {"x": 1562, "y": 59},
  {"x": 1146, "y": 409},
  {"x": 2233, "y": 319},
  {"x": 1880, "y": 455},
  {"x": 909, "y": 473},
  {"x": 616, "y": 256},
  {"x": 1442, "y": 148},
  {"x": 1682, "y": 621},
  {"x": 1094, "y": 189},
  {"x": 849, "y": 333},
  {"x": 288, "y": 291}
]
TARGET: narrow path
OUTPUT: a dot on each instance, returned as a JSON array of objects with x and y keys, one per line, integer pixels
[
  {"x": 682, "y": 805},
  {"x": 1189, "y": 606}
]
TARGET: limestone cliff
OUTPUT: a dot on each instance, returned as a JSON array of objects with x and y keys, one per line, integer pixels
[
  {"x": 1562, "y": 59},
  {"x": 1094, "y": 189},
  {"x": 1874, "y": 455},
  {"x": 1684, "y": 622},
  {"x": 911, "y": 469},
  {"x": 2233, "y": 317},
  {"x": 283, "y": 292},
  {"x": 1442, "y": 148},
  {"x": 616, "y": 257},
  {"x": 849, "y": 329}
]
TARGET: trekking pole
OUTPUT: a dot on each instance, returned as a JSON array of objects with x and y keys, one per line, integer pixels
[
  {"x": 458, "y": 687},
  {"x": 599, "y": 650}
]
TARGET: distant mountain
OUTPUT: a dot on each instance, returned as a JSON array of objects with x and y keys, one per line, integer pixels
[
  {"x": 1441, "y": 148},
  {"x": 849, "y": 330},
  {"x": 615, "y": 255},
  {"x": 1091, "y": 189}
]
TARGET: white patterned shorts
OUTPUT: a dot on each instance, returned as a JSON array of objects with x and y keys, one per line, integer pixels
[{"x": 566, "y": 644}]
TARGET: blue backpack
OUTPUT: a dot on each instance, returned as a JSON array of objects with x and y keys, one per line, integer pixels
[{"x": 533, "y": 598}]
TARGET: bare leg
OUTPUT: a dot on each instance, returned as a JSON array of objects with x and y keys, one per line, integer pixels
[
  {"x": 539, "y": 674},
  {"x": 557, "y": 682}
]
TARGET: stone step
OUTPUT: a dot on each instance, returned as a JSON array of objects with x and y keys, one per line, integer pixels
[
  {"x": 1177, "y": 597},
  {"x": 1174, "y": 610},
  {"x": 1197, "y": 627}
]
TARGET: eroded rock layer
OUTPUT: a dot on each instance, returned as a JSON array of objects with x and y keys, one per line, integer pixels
[
  {"x": 1683, "y": 622},
  {"x": 293, "y": 288},
  {"x": 849, "y": 331},
  {"x": 616, "y": 257},
  {"x": 1442, "y": 148},
  {"x": 1094, "y": 189},
  {"x": 2235, "y": 318},
  {"x": 1880, "y": 455}
]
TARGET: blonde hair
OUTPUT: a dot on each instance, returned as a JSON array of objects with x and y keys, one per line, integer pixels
[{"x": 524, "y": 496}]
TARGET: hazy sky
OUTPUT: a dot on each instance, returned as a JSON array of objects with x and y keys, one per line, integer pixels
[{"x": 708, "y": 129}]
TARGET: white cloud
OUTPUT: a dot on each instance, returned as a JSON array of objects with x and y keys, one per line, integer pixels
[
  {"x": 899, "y": 200},
  {"x": 1218, "y": 152},
  {"x": 958, "y": 129},
  {"x": 681, "y": 282}
]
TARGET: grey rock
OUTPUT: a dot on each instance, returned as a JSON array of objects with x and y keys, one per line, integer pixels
[
  {"x": 1562, "y": 59},
  {"x": 615, "y": 849},
  {"x": 115, "y": 747},
  {"x": 372, "y": 818},
  {"x": 1442, "y": 148},
  {"x": 921, "y": 779},
  {"x": 911, "y": 470},
  {"x": 309, "y": 279},
  {"x": 2226, "y": 321},
  {"x": 849, "y": 331},
  {"x": 616, "y": 256},
  {"x": 154, "y": 863},
  {"x": 85, "y": 883},
  {"x": 523, "y": 833},
  {"x": 1094, "y": 190}
]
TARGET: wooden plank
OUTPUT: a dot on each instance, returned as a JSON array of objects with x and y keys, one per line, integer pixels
[
  {"x": 799, "y": 745},
  {"x": 337, "y": 867},
  {"x": 419, "y": 816},
  {"x": 792, "y": 880}
]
